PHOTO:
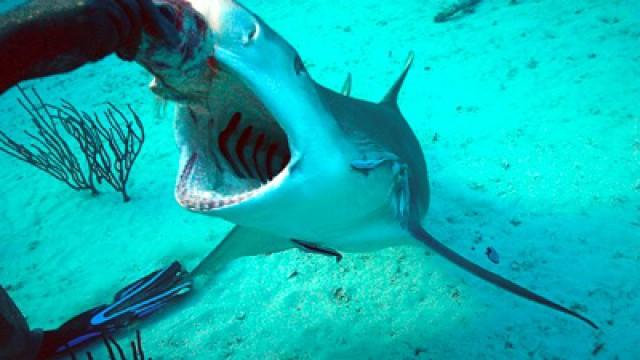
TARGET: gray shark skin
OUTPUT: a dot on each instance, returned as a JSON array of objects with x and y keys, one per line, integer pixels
[{"x": 292, "y": 163}]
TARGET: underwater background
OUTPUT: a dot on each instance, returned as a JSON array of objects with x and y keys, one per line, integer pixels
[{"x": 529, "y": 116}]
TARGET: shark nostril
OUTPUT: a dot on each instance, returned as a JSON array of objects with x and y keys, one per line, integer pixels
[
  {"x": 253, "y": 33},
  {"x": 250, "y": 36}
]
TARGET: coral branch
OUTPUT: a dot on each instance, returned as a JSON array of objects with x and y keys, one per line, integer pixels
[
  {"x": 113, "y": 143},
  {"x": 113, "y": 347},
  {"x": 123, "y": 146},
  {"x": 50, "y": 152},
  {"x": 109, "y": 146}
]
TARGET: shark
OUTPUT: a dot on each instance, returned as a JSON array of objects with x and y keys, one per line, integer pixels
[{"x": 292, "y": 163}]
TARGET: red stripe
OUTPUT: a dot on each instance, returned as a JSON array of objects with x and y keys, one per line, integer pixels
[
  {"x": 285, "y": 159},
  {"x": 270, "y": 153},
  {"x": 241, "y": 144},
  {"x": 224, "y": 138},
  {"x": 259, "y": 142}
]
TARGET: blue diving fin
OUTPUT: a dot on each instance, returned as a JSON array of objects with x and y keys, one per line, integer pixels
[{"x": 134, "y": 302}]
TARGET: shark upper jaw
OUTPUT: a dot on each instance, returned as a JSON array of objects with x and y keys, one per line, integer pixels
[
  {"x": 262, "y": 116},
  {"x": 242, "y": 138},
  {"x": 233, "y": 149}
]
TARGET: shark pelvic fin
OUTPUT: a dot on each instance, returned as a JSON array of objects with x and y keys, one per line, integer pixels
[
  {"x": 392, "y": 95},
  {"x": 423, "y": 236},
  {"x": 346, "y": 87}
]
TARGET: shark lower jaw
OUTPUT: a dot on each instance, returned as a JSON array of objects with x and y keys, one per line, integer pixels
[{"x": 195, "y": 198}]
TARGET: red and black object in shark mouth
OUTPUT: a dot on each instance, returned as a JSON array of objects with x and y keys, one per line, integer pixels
[
  {"x": 192, "y": 35},
  {"x": 176, "y": 9},
  {"x": 238, "y": 143}
]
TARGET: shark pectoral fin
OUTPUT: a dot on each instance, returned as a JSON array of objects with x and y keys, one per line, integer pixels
[
  {"x": 401, "y": 191},
  {"x": 365, "y": 165},
  {"x": 422, "y": 235},
  {"x": 240, "y": 242},
  {"x": 314, "y": 249}
]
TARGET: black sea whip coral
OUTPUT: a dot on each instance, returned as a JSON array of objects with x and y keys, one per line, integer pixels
[{"x": 109, "y": 146}]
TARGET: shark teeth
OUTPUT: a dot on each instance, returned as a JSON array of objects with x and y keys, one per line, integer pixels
[
  {"x": 198, "y": 200},
  {"x": 190, "y": 197}
]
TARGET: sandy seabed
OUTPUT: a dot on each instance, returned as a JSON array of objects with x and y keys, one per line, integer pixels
[{"x": 529, "y": 116}]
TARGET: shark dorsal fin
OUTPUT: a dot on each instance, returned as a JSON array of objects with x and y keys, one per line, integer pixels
[
  {"x": 392, "y": 94},
  {"x": 346, "y": 87}
]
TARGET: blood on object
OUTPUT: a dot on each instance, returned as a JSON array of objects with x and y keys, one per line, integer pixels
[{"x": 212, "y": 64}]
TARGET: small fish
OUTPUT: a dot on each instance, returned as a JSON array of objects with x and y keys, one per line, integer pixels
[{"x": 492, "y": 254}]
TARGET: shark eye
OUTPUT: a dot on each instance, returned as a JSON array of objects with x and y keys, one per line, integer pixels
[{"x": 298, "y": 65}]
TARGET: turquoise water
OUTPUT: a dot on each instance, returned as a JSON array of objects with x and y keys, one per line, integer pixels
[{"x": 529, "y": 119}]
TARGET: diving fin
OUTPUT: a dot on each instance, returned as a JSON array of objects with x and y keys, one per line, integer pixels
[
  {"x": 144, "y": 297},
  {"x": 421, "y": 234},
  {"x": 134, "y": 302}
]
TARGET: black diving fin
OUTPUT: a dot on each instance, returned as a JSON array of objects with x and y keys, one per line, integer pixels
[{"x": 134, "y": 302}]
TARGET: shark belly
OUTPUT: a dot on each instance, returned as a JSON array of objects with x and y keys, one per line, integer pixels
[{"x": 370, "y": 237}]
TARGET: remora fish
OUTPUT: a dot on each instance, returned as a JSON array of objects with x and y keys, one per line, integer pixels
[{"x": 292, "y": 163}]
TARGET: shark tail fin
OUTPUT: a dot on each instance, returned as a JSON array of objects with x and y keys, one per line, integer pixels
[
  {"x": 346, "y": 87},
  {"x": 392, "y": 95},
  {"x": 422, "y": 235}
]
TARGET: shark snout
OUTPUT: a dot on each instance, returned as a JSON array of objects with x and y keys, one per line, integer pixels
[
  {"x": 218, "y": 24},
  {"x": 230, "y": 23}
]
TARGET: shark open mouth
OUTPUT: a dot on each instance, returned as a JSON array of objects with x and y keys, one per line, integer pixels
[
  {"x": 241, "y": 151},
  {"x": 232, "y": 148}
]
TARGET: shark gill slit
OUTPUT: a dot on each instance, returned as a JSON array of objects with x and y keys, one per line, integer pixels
[
  {"x": 256, "y": 149},
  {"x": 224, "y": 137},
  {"x": 269, "y": 165},
  {"x": 242, "y": 143},
  {"x": 267, "y": 158}
]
